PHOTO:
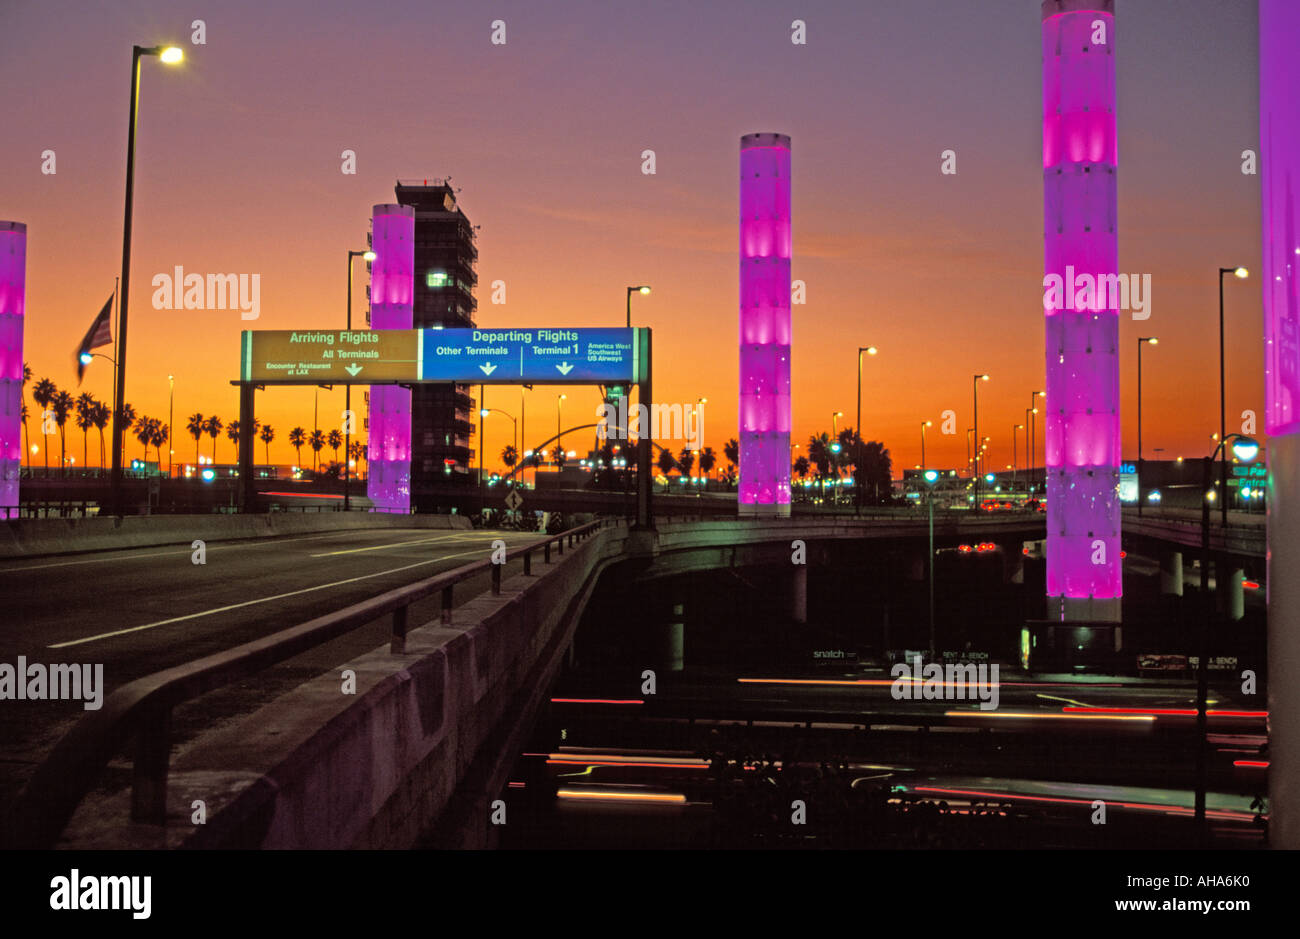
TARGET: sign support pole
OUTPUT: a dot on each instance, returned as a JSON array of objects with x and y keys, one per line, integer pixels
[
  {"x": 247, "y": 484},
  {"x": 644, "y": 483}
]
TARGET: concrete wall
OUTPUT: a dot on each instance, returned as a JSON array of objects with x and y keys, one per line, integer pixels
[
  {"x": 33, "y": 537},
  {"x": 428, "y": 736}
]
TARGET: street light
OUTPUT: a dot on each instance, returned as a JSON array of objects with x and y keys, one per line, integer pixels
[
  {"x": 924, "y": 425},
  {"x": 1142, "y": 340},
  {"x": 171, "y": 413},
  {"x": 347, "y": 390},
  {"x": 1033, "y": 435},
  {"x": 857, "y": 451},
  {"x": 931, "y": 477},
  {"x": 1245, "y": 449},
  {"x": 631, "y": 290},
  {"x": 975, "y": 390},
  {"x": 170, "y": 55},
  {"x": 559, "y": 439},
  {"x": 1014, "y": 458},
  {"x": 1241, "y": 274}
]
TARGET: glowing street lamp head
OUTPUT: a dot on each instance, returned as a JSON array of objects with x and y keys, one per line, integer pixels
[
  {"x": 368, "y": 255},
  {"x": 1245, "y": 449},
  {"x": 1151, "y": 339},
  {"x": 927, "y": 424},
  {"x": 86, "y": 358},
  {"x": 982, "y": 377},
  {"x": 483, "y": 412},
  {"x": 1241, "y": 273},
  {"x": 172, "y": 55},
  {"x": 643, "y": 290},
  {"x": 931, "y": 476},
  {"x": 872, "y": 350}
]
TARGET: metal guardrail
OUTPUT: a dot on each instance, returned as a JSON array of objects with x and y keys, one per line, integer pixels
[{"x": 142, "y": 708}]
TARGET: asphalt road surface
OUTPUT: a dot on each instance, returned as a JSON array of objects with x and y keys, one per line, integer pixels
[{"x": 139, "y": 611}]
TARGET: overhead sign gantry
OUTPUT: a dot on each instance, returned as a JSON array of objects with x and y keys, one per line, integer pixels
[{"x": 550, "y": 356}]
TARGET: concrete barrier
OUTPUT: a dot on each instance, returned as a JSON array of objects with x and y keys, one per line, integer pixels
[
  {"x": 414, "y": 755},
  {"x": 36, "y": 537}
]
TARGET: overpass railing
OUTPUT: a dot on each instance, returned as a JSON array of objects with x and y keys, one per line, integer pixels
[{"x": 143, "y": 708}]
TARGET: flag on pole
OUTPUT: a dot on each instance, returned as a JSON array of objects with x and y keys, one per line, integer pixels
[{"x": 99, "y": 334}]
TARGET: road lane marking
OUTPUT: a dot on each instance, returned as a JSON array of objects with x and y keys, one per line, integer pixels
[
  {"x": 269, "y": 543},
  {"x": 236, "y": 606},
  {"x": 395, "y": 544}
]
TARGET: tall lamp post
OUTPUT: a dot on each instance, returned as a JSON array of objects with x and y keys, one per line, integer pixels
[
  {"x": 924, "y": 425},
  {"x": 171, "y": 414},
  {"x": 1245, "y": 449},
  {"x": 631, "y": 290},
  {"x": 1142, "y": 340},
  {"x": 170, "y": 55},
  {"x": 347, "y": 392},
  {"x": 1033, "y": 434},
  {"x": 559, "y": 439},
  {"x": 1241, "y": 274},
  {"x": 931, "y": 477},
  {"x": 857, "y": 451},
  {"x": 1014, "y": 458},
  {"x": 975, "y": 391}
]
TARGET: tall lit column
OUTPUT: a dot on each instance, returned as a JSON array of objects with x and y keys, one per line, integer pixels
[
  {"x": 392, "y": 296},
  {"x": 13, "y": 292},
  {"x": 1279, "y": 138},
  {"x": 764, "y": 324},
  {"x": 1082, "y": 436}
]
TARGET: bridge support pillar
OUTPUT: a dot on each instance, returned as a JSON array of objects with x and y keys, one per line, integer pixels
[
  {"x": 1014, "y": 562},
  {"x": 674, "y": 639},
  {"x": 1171, "y": 573},
  {"x": 1234, "y": 593},
  {"x": 799, "y": 594}
]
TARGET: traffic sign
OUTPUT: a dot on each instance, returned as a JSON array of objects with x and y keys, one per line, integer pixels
[
  {"x": 514, "y": 501},
  {"x": 542, "y": 356},
  {"x": 316, "y": 357}
]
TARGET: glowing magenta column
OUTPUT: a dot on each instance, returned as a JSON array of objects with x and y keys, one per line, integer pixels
[
  {"x": 392, "y": 297},
  {"x": 1082, "y": 439},
  {"x": 13, "y": 295},
  {"x": 1279, "y": 139},
  {"x": 764, "y": 324}
]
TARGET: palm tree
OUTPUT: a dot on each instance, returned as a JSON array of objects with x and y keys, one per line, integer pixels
[
  {"x": 144, "y": 433},
  {"x": 731, "y": 450},
  {"x": 356, "y": 450},
  {"x": 160, "y": 433},
  {"x": 877, "y": 469},
  {"x": 103, "y": 414},
  {"x": 212, "y": 426},
  {"x": 317, "y": 442},
  {"x": 27, "y": 442},
  {"x": 819, "y": 454},
  {"x": 335, "y": 440},
  {"x": 686, "y": 460},
  {"x": 801, "y": 467},
  {"x": 62, "y": 405},
  {"x": 509, "y": 456},
  {"x": 43, "y": 392},
  {"x": 267, "y": 435},
  {"x": 297, "y": 437},
  {"x": 232, "y": 432},
  {"x": 195, "y": 425},
  {"x": 708, "y": 460},
  {"x": 666, "y": 463},
  {"x": 85, "y": 414}
]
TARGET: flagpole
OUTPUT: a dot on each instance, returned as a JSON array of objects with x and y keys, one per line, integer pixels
[{"x": 116, "y": 299}]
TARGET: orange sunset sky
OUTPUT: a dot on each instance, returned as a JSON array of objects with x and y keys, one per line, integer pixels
[{"x": 238, "y": 171}]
